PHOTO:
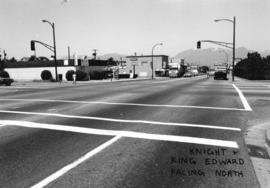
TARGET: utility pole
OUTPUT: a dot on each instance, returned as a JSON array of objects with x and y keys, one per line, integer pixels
[
  {"x": 68, "y": 54},
  {"x": 95, "y": 53},
  {"x": 5, "y": 55},
  {"x": 55, "y": 61},
  {"x": 233, "y": 44},
  {"x": 54, "y": 47},
  {"x": 233, "y": 48}
]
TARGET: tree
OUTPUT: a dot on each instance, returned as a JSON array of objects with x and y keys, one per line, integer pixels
[{"x": 254, "y": 67}]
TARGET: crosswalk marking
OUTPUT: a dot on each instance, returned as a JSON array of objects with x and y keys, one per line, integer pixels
[{"x": 129, "y": 134}]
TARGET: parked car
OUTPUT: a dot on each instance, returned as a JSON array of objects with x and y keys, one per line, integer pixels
[
  {"x": 188, "y": 74},
  {"x": 42, "y": 58},
  {"x": 25, "y": 59},
  {"x": 6, "y": 81}
]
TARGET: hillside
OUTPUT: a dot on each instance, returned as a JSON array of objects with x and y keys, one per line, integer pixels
[{"x": 210, "y": 56}]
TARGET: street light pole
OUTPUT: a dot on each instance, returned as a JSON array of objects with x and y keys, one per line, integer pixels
[
  {"x": 54, "y": 46},
  {"x": 233, "y": 59},
  {"x": 152, "y": 62},
  {"x": 233, "y": 48}
]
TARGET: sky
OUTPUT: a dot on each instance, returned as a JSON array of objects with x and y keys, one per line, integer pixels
[{"x": 129, "y": 26}]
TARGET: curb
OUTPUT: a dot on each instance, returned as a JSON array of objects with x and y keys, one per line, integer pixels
[
  {"x": 66, "y": 83},
  {"x": 267, "y": 137},
  {"x": 109, "y": 81}
]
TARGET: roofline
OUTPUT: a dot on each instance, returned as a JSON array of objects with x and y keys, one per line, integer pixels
[{"x": 146, "y": 56}]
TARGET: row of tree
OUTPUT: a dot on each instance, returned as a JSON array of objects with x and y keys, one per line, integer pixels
[{"x": 254, "y": 67}]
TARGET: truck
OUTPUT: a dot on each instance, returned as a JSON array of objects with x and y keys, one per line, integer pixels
[
  {"x": 221, "y": 71},
  {"x": 174, "y": 70}
]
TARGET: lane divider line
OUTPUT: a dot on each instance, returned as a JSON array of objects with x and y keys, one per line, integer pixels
[
  {"x": 243, "y": 99},
  {"x": 129, "y": 134},
  {"x": 122, "y": 120},
  {"x": 77, "y": 162},
  {"x": 125, "y": 104}
]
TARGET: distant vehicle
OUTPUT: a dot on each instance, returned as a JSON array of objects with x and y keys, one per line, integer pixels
[
  {"x": 194, "y": 69},
  {"x": 6, "y": 81},
  {"x": 220, "y": 72},
  {"x": 189, "y": 74},
  {"x": 24, "y": 59},
  {"x": 42, "y": 58},
  {"x": 211, "y": 72},
  {"x": 174, "y": 70}
]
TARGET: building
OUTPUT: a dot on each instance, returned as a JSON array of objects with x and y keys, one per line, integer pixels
[
  {"x": 32, "y": 70},
  {"x": 141, "y": 66}
]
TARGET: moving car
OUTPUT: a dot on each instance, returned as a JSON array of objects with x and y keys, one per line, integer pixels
[{"x": 220, "y": 72}]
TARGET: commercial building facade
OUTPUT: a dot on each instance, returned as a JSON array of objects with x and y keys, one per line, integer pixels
[
  {"x": 142, "y": 66},
  {"x": 32, "y": 70}
]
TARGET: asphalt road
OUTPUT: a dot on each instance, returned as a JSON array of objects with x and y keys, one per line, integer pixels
[{"x": 151, "y": 133}]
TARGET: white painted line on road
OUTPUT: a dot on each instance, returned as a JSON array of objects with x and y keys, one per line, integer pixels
[
  {"x": 51, "y": 109},
  {"x": 180, "y": 79},
  {"x": 243, "y": 99},
  {"x": 72, "y": 165},
  {"x": 129, "y": 134},
  {"x": 122, "y": 120},
  {"x": 170, "y": 80},
  {"x": 126, "y": 104}
]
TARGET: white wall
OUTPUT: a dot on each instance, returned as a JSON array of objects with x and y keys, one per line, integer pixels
[{"x": 34, "y": 73}]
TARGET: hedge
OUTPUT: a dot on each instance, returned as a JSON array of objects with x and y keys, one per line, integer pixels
[
  {"x": 80, "y": 75},
  {"x": 69, "y": 75},
  {"x": 4, "y": 74},
  {"x": 46, "y": 75}
]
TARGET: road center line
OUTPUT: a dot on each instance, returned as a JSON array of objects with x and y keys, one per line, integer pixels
[
  {"x": 122, "y": 120},
  {"x": 242, "y": 97},
  {"x": 129, "y": 134},
  {"x": 125, "y": 104},
  {"x": 77, "y": 162}
]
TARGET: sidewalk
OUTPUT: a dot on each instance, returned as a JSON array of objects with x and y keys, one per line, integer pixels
[
  {"x": 66, "y": 83},
  {"x": 257, "y": 135}
]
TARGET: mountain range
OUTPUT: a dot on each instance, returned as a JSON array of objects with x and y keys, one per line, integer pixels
[
  {"x": 210, "y": 56},
  {"x": 207, "y": 57}
]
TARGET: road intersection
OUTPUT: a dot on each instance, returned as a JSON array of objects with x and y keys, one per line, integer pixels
[{"x": 126, "y": 134}]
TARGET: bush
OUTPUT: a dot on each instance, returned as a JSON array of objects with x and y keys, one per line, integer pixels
[
  {"x": 80, "y": 75},
  {"x": 254, "y": 67},
  {"x": 97, "y": 75},
  {"x": 4, "y": 74},
  {"x": 123, "y": 75},
  {"x": 46, "y": 75},
  {"x": 69, "y": 75}
]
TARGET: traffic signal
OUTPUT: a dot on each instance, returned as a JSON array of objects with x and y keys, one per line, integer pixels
[
  {"x": 198, "y": 44},
  {"x": 32, "y": 45}
]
